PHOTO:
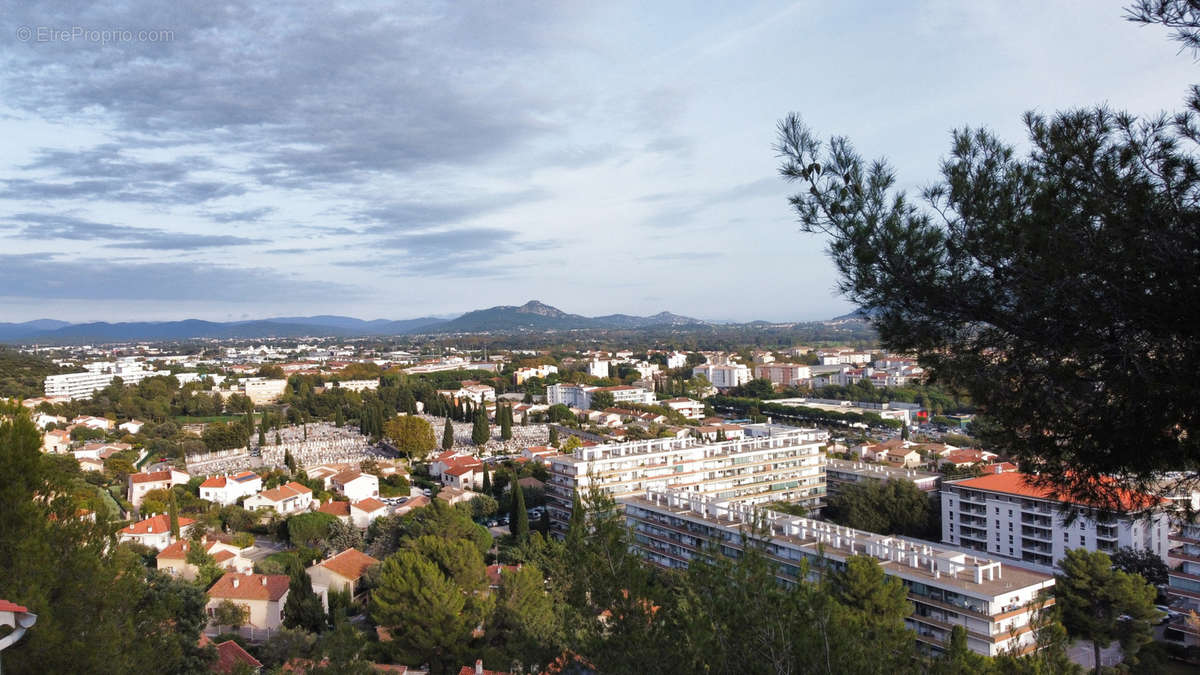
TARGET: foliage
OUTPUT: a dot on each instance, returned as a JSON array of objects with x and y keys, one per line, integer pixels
[
  {"x": 448, "y": 435},
  {"x": 1143, "y": 562},
  {"x": 303, "y": 608},
  {"x": 1093, "y": 597},
  {"x": 413, "y": 436},
  {"x": 1042, "y": 271},
  {"x": 342, "y": 536},
  {"x": 309, "y": 529},
  {"x": 231, "y": 614},
  {"x": 744, "y": 406},
  {"x": 519, "y": 519},
  {"x": 480, "y": 432},
  {"x": 885, "y": 507}
]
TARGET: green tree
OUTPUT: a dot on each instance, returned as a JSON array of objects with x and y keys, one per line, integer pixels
[
  {"x": 525, "y": 623},
  {"x": 1093, "y": 597},
  {"x": 303, "y": 608},
  {"x": 309, "y": 530},
  {"x": 553, "y": 437},
  {"x": 519, "y": 520},
  {"x": 602, "y": 400},
  {"x": 1042, "y": 271},
  {"x": 413, "y": 436},
  {"x": 231, "y": 614},
  {"x": 1141, "y": 561},
  {"x": 885, "y": 507},
  {"x": 480, "y": 432},
  {"x": 447, "y": 435},
  {"x": 426, "y": 611},
  {"x": 505, "y": 423},
  {"x": 487, "y": 480},
  {"x": 173, "y": 514}
]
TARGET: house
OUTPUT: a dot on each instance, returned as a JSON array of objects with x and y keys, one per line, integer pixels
[
  {"x": 692, "y": 410},
  {"x": 465, "y": 474},
  {"x": 539, "y": 453},
  {"x": 452, "y": 495},
  {"x": 90, "y": 422},
  {"x": 231, "y": 658},
  {"x": 906, "y": 457},
  {"x": 100, "y": 450},
  {"x": 445, "y": 460},
  {"x": 364, "y": 511},
  {"x": 960, "y": 459},
  {"x": 132, "y": 426},
  {"x": 140, "y": 483},
  {"x": 496, "y": 572},
  {"x": 413, "y": 503},
  {"x": 323, "y": 473},
  {"x": 342, "y": 572},
  {"x": 339, "y": 510},
  {"x": 355, "y": 485},
  {"x": 262, "y": 594},
  {"x": 56, "y": 442},
  {"x": 43, "y": 420},
  {"x": 173, "y": 558},
  {"x": 89, "y": 464},
  {"x": 154, "y": 532},
  {"x": 227, "y": 490},
  {"x": 289, "y": 498},
  {"x": 531, "y": 483},
  {"x": 480, "y": 670}
]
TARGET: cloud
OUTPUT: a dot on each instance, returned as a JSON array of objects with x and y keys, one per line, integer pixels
[
  {"x": 416, "y": 215},
  {"x": 42, "y": 226},
  {"x": 468, "y": 250},
  {"x": 50, "y": 277},
  {"x": 246, "y": 216}
]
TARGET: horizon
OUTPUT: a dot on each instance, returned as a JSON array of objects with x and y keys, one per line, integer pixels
[{"x": 251, "y": 161}]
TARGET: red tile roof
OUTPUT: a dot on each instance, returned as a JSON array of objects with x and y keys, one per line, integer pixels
[
  {"x": 155, "y": 525},
  {"x": 149, "y": 477},
  {"x": 216, "y": 482},
  {"x": 369, "y": 505},
  {"x": 230, "y": 654},
  {"x": 6, "y": 606},
  {"x": 349, "y": 564},
  {"x": 335, "y": 508},
  {"x": 250, "y": 587},
  {"x": 1016, "y": 483}
]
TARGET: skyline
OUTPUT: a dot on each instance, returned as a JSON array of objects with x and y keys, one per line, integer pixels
[{"x": 434, "y": 160}]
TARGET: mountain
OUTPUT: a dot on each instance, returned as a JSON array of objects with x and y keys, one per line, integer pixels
[
  {"x": 14, "y": 331},
  {"x": 660, "y": 319},
  {"x": 180, "y": 330},
  {"x": 536, "y": 315},
  {"x": 352, "y": 325}
]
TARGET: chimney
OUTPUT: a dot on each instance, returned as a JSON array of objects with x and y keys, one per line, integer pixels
[
  {"x": 264, "y": 580},
  {"x": 478, "y": 666},
  {"x": 235, "y": 582}
]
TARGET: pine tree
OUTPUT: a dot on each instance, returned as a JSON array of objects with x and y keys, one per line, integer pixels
[
  {"x": 448, "y": 435},
  {"x": 506, "y": 423},
  {"x": 519, "y": 519},
  {"x": 262, "y": 438}
]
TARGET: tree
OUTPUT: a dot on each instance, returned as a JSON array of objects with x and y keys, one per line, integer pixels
[
  {"x": 412, "y": 435},
  {"x": 505, "y": 423},
  {"x": 309, "y": 529},
  {"x": 1093, "y": 597},
  {"x": 553, "y": 437},
  {"x": 1044, "y": 272},
  {"x": 572, "y": 444},
  {"x": 426, "y": 610},
  {"x": 303, "y": 608},
  {"x": 525, "y": 623},
  {"x": 886, "y": 507},
  {"x": 602, "y": 400},
  {"x": 447, "y": 435},
  {"x": 173, "y": 514},
  {"x": 1143, "y": 562},
  {"x": 230, "y": 613},
  {"x": 487, "y": 480},
  {"x": 520, "y": 517},
  {"x": 480, "y": 433}
]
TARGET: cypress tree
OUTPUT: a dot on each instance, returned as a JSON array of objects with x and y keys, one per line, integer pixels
[
  {"x": 519, "y": 520},
  {"x": 448, "y": 435},
  {"x": 303, "y": 609},
  {"x": 487, "y": 481},
  {"x": 278, "y": 440},
  {"x": 262, "y": 438},
  {"x": 506, "y": 423},
  {"x": 173, "y": 511},
  {"x": 554, "y": 437},
  {"x": 480, "y": 433},
  {"x": 338, "y": 418}
]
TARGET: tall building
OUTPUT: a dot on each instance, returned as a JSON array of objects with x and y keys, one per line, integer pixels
[
  {"x": 98, "y": 376},
  {"x": 773, "y": 463},
  {"x": 994, "y": 602},
  {"x": 723, "y": 376},
  {"x": 1004, "y": 515},
  {"x": 1183, "y": 582}
]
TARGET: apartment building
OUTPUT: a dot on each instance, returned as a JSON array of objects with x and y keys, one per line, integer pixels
[
  {"x": 98, "y": 376},
  {"x": 691, "y": 409},
  {"x": 784, "y": 374},
  {"x": 523, "y": 374},
  {"x": 723, "y": 376},
  {"x": 1183, "y": 581},
  {"x": 580, "y": 395},
  {"x": 1004, "y": 515},
  {"x": 993, "y": 601},
  {"x": 771, "y": 464},
  {"x": 840, "y": 473}
]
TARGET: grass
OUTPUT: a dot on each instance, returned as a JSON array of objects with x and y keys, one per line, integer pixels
[{"x": 386, "y": 490}]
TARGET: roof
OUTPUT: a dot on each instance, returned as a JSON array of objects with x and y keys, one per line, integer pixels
[
  {"x": 6, "y": 606},
  {"x": 1016, "y": 483},
  {"x": 369, "y": 505},
  {"x": 250, "y": 587},
  {"x": 245, "y": 476},
  {"x": 150, "y": 477},
  {"x": 230, "y": 654},
  {"x": 494, "y": 572},
  {"x": 335, "y": 508},
  {"x": 155, "y": 525},
  {"x": 349, "y": 564},
  {"x": 283, "y": 492},
  {"x": 461, "y": 469},
  {"x": 216, "y": 482},
  {"x": 347, "y": 476}
]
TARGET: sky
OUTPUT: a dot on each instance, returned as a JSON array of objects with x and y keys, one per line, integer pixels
[{"x": 236, "y": 160}]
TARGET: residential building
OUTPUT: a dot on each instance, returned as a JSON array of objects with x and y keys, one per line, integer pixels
[
  {"x": 784, "y": 374},
  {"x": 691, "y": 409},
  {"x": 76, "y": 386},
  {"x": 357, "y": 385},
  {"x": 714, "y": 432},
  {"x": 339, "y": 510},
  {"x": 888, "y": 411},
  {"x": 1005, "y": 515},
  {"x": 453, "y": 495},
  {"x": 597, "y": 368},
  {"x": 539, "y": 453},
  {"x": 173, "y": 558},
  {"x": 260, "y": 390},
  {"x": 262, "y": 594},
  {"x": 840, "y": 473},
  {"x": 43, "y": 420},
  {"x": 676, "y": 360},
  {"x": 570, "y": 395},
  {"x": 231, "y": 658},
  {"x": 97, "y": 423},
  {"x": 285, "y": 499},
  {"x": 56, "y": 441},
  {"x": 342, "y": 572},
  {"x": 227, "y": 490},
  {"x": 363, "y": 512},
  {"x": 786, "y": 465},
  {"x": 523, "y": 374},
  {"x": 132, "y": 426},
  {"x": 154, "y": 532},
  {"x": 138, "y": 484},
  {"x": 627, "y": 394},
  {"x": 355, "y": 485},
  {"x": 1183, "y": 579},
  {"x": 993, "y": 601},
  {"x": 723, "y": 376}
]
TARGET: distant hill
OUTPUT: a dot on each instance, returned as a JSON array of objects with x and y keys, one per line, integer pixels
[
  {"x": 352, "y": 325},
  {"x": 536, "y": 315},
  {"x": 14, "y": 331}
]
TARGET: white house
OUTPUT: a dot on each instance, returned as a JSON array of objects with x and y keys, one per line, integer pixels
[
  {"x": 94, "y": 422},
  {"x": 140, "y": 483},
  {"x": 173, "y": 559},
  {"x": 56, "y": 441},
  {"x": 290, "y": 498},
  {"x": 367, "y": 510},
  {"x": 43, "y": 420},
  {"x": 132, "y": 426},
  {"x": 262, "y": 594},
  {"x": 355, "y": 485},
  {"x": 154, "y": 532},
  {"x": 227, "y": 490}
]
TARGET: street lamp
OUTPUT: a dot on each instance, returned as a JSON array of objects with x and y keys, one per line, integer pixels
[{"x": 19, "y": 618}]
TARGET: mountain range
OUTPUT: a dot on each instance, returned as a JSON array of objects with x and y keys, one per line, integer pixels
[{"x": 532, "y": 316}]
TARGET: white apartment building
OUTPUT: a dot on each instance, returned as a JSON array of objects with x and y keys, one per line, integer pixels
[
  {"x": 676, "y": 360},
  {"x": 1004, "y": 515},
  {"x": 598, "y": 368},
  {"x": 227, "y": 490},
  {"x": 723, "y": 376},
  {"x": 523, "y": 374},
  {"x": 261, "y": 390},
  {"x": 570, "y": 395},
  {"x": 787, "y": 465},
  {"x": 784, "y": 374},
  {"x": 358, "y": 385},
  {"x": 993, "y": 602},
  {"x": 691, "y": 409},
  {"x": 98, "y": 376}
]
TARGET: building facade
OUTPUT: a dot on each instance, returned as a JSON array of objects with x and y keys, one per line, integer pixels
[
  {"x": 995, "y": 603},
  {"x": 840, "y": 473}
]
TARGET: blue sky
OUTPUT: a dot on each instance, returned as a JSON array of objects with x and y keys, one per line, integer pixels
[{"x": 432, "y": 158}]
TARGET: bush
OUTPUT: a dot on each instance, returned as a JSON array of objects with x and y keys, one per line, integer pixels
[{"x": 243, "y": 540}]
